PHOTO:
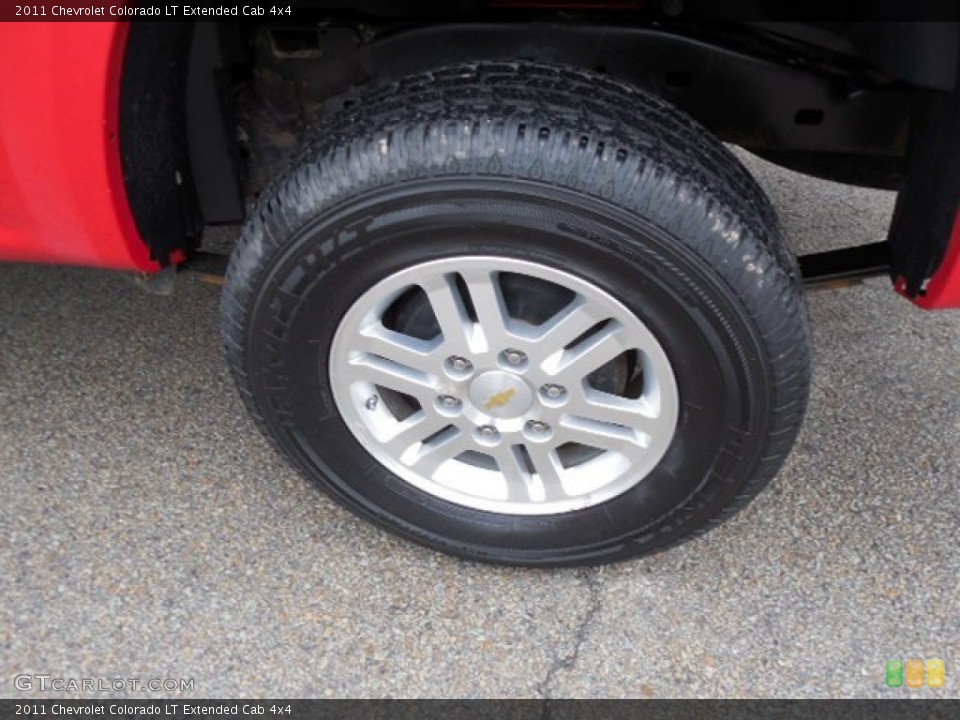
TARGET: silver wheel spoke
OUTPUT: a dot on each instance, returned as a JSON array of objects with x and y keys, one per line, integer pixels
[
  {"x": 505, "y": 410},
  {"x": 594, "y": 352},
  {"x": 396, "y": 347},
  {"x": 593, "y": 433},
  {"x": 488, "y": 303},
  {"x": 451, "y": 314},
  {"x": 549, "y": 471},
  {"x": 415, "y": 429},
  {"x": 567, "y": 325},
  {"x": 439, "y": 451},
  {"x": 616, "y": 412},
  {"x": 403, "y": 379},
  {"x": 521, "y": 485}
]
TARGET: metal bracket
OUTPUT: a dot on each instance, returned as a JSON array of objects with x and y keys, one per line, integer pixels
[
  {"x": 844, "y": 266},
  {"x": 209, "y": 267}
]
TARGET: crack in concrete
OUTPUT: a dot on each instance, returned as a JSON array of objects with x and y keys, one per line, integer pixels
[{"x": 546, "y": 687}]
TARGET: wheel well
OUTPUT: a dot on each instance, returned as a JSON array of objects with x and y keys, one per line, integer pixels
[
  {"x": 816, "y": 110},
  {"x": 226, "y": 105}
]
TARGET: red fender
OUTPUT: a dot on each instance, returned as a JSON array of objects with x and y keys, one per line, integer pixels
[{"x": 62, "y": 197}]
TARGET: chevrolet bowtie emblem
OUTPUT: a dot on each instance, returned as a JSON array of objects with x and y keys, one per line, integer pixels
[{"x": 499, "y": 399}]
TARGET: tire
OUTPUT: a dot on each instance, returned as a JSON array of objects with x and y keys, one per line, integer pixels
[{"x": 576, "y": 178}]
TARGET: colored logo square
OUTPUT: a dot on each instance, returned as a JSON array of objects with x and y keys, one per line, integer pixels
[
  {"x": 914, "y": 673},
  {"x": 894, "y": 673},
  {"x": 936, "y": 673}
]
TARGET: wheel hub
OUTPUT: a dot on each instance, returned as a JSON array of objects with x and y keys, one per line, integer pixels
[{"x": 501, "y": 394}]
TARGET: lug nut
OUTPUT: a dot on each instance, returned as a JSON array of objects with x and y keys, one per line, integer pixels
[
  {"x": 449, "y": 401},
  {"x": 372, "y": 402},
  {"x": 537, "y": 428},
  {"x": 514, "y": 357},
  {"x": 487, "y": 431},
  {"x": 459, "y": 364},
  {"x": 553, "y": 391}
]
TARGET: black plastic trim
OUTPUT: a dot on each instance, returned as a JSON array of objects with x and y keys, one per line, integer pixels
[
  {"x": 930, "y": 195},
  {"x": 214, "y": 156},
  {"x": 153, "y": 138}
]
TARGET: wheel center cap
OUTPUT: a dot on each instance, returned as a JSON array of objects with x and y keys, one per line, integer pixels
[{"x": 501, "y": 394}]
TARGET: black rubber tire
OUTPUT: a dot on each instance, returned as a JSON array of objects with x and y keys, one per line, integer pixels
[{"x": 563, "y": 167}]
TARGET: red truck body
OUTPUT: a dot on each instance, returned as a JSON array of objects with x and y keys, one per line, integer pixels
[{"x": 62, "y": 196}]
